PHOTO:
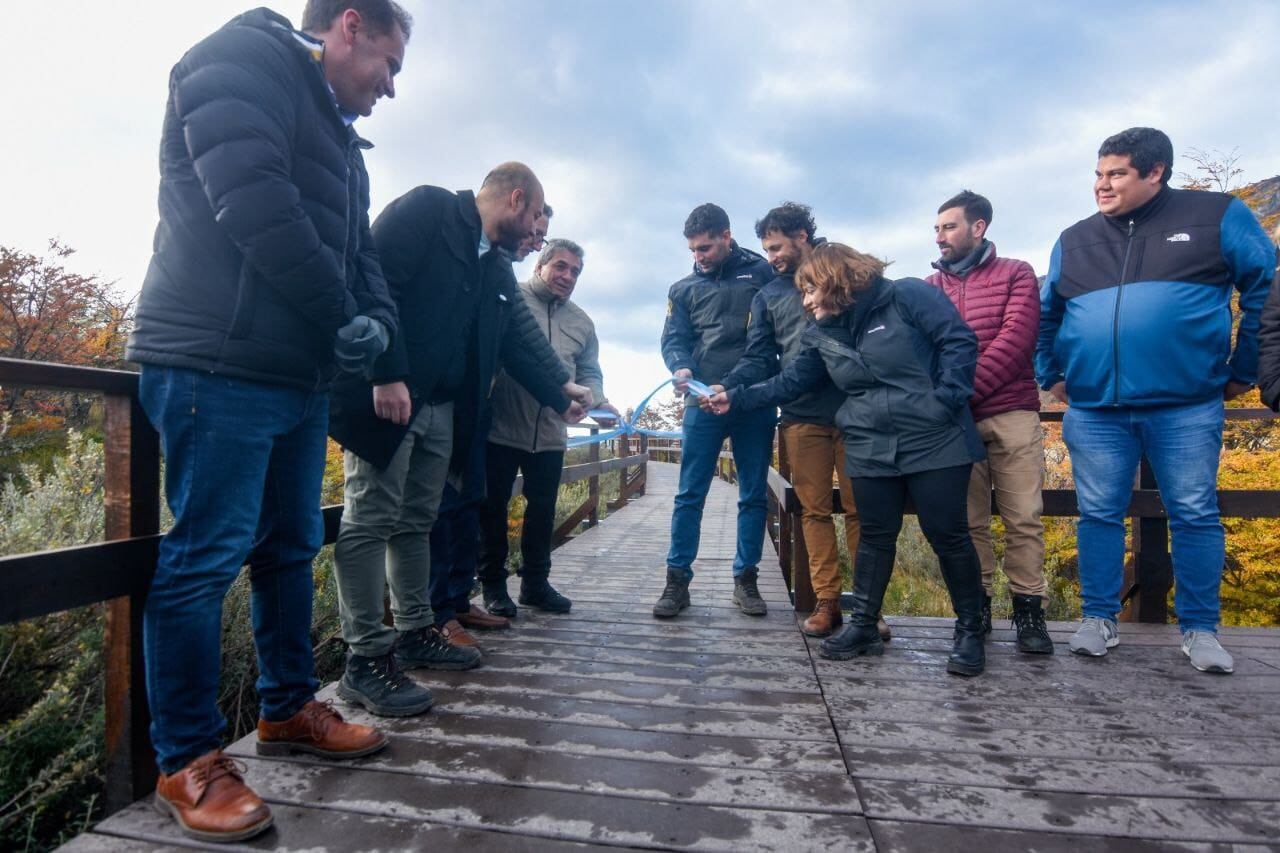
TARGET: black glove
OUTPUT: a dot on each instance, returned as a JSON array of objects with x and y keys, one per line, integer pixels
[{"x": 359, "y": 344}]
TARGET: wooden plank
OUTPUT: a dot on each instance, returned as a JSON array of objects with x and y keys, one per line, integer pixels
[
  {"x": 534, "y": 812},
  {"x": 66, "y": 377},
  {"x": 448, "y": 723},
  {"x": 47, "y": 582},
  {"x": 303, "y": 828},
  {"x": 632, "y": 778},
  {"x": 1065, "y": 775},
  {"x": 1176, "y": 818},
  {"x": 903, "y": 835}
]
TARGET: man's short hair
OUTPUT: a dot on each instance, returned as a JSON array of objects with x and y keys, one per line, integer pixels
[
  {"x": 789, "y": 218},
  {"x": 556, "y": 245},
  {"x": 509, "y": 177},
  {"x": 547, "y": 211},
  {"x": 381, "y": 15},
  {"x": 975, "y": 206},
  {"x": 706, "y": 219},
  {"x": 1145, "y": 147}
]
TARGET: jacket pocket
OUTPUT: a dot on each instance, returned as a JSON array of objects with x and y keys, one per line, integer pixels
[{"x": 242, "y": 316}]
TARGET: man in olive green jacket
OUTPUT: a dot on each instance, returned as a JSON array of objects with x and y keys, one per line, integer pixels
[{"x": 528, "y": 437}]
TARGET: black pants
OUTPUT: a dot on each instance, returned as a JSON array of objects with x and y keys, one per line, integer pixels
[
  {"x": 541, "y": 485},
  {"x": 941, "y": 501}
]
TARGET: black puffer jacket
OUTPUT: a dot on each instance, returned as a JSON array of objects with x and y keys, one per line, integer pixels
[
  {"x": 263, "y": 249},
  {"x": 904, "y": 359},
  {"x": 461, "y": 316},
  {"x": 706, "y": 328}
]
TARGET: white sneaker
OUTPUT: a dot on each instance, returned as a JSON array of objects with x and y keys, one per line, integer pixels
[
  {"x": 1095, "y": 636},
  {"x": 1206, "y": 653}
]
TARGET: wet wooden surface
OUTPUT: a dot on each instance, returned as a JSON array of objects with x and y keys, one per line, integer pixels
[{"x": 718, "y": 731}]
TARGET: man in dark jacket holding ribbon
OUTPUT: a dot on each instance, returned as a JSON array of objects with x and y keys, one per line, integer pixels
[{"x": 263, "y": 283}]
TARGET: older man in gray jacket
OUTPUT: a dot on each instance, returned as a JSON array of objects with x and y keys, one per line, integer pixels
[{"x": 529, "y": 438}]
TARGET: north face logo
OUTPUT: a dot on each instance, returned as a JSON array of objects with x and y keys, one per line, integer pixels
[
  {"x": 747, "y": 276},
  {"x": 1179, "y": 238}
]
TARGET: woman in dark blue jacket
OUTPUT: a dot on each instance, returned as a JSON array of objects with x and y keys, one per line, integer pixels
[{"x": 904, "y": 359}]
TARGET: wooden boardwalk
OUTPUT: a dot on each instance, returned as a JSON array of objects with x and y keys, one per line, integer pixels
[{"x": 718, "y": 731}]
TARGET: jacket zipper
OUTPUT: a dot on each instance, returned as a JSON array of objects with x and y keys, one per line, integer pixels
[{"x": 1115, "y": 323}]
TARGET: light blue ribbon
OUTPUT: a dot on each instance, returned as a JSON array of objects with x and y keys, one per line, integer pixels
[{"x": 629, "y": 427}]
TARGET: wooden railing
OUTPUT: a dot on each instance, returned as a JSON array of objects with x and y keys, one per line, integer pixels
[
  {"x": 119, "y": 571},
  {"x": 1148, "y": 577}
]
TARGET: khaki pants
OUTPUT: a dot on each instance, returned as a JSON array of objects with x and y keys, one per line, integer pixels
[
  {"x": 1014, "y": 467},
  {"x": 815, "y": 453},
  {"x": 384, "y": 538}
]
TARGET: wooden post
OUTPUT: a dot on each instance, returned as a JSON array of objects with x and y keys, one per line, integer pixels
[
  {"x": 593, "y": 482},
  {"x": 644, "y": 463},
  {"x": 1151, "y": 574},
  {"x": 132, "y": 508}
]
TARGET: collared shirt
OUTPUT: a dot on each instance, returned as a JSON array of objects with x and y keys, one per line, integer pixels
[{"x": 485, "y": 245}]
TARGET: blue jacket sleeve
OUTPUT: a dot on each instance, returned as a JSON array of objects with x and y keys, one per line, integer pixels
[
  {"x": 1052, "y": 307},
  {"x": 760, "y": 360},
  {"x": 678, "y": 335},
  {"x": 932, "y": 313},
  {"x": 1251, "y": 257},
  {"x": 805, "y": 373}
]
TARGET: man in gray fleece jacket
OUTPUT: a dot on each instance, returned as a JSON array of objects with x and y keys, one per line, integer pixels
[{"x": 530, "y": 438}]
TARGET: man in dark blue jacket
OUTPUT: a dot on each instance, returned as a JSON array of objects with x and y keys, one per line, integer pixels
[
  {"x": 1135, "y": 334},
  {"x": 263, "y": 283},
  {"x": 704, "y": 336}
]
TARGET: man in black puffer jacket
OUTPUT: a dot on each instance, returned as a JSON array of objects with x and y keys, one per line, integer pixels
[
  {"x": 263, "y": 283},
  {"x": 1269, "y": 346},
  {"x": 404, "y": 432}
]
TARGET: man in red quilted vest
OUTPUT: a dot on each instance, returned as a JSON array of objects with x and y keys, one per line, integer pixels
[{"x": 999, "y": 299}]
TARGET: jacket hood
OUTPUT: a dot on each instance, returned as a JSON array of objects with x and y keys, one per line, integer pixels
[{"x": 737, "y": 259}]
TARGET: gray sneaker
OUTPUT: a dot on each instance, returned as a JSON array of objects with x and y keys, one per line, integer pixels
[
  {"x": 1206, "y": 653},
  {"x": 1095, "y": 636}
]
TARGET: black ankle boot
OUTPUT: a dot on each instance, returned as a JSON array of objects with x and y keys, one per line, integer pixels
[
  {"x": 1028, "y": 621},
  {"x": 986, "y": 615},
  {"x": 963, "y": 577},
  {"x": 860, "y": 635}
]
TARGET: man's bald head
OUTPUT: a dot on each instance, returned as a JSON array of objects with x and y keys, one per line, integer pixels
[{"x": 510, "y": 201}]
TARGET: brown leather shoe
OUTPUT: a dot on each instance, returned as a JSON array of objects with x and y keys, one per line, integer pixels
[
  {"x": 478, "y": 619},
  {"x": 320, "y": 730},
  {"x": 210, "y": 801},
  {"x": 883, "y": 627},
  {"x": 457, "y": 635},
  {"x": 825, "y": 619}
]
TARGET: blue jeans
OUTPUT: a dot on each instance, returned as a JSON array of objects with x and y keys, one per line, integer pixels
[
  {"x": 244, "y": 463},
  {"x": 1183, "y": 444},
  {"x": 455, "y": 547},
  {"x": 752, "y": 436}
]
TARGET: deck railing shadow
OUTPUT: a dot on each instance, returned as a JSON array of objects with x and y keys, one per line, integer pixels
[{"x": 118, "y": 571}]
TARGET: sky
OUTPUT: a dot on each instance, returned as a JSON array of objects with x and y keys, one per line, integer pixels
[{"x": 633, "y": 113}]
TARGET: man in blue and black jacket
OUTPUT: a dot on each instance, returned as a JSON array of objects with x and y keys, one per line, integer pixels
[
  {"x": 704, "y": 336},
  {"x": 1135, "y": 334}
]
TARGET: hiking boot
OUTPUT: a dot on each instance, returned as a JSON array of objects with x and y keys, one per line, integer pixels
[
  {"x": 826, "y": 618},
  {"x": 886, "y": 633},
  {"x": 210, "y": 801},
  {"x": 861, "y": 635},
  {"x": 478, "y": 620},
  {"x": 380, "y": 687},
  {"x": 986, "y": 615},
  {"x": 498, "y": 602},
  {"x": 1028, "y": 621},
  {"x": 747, "y": 596},
  {"x": 963, "y": 576},
  {"x": 457, "y": 635},
  {"x": 675, "y": 595},
  {"x": 541, "y": 595},
  {"x": 427, "y": 648},
  {"x": 318, "y": 729},
  {"x": 1206, "y": 653},
  {"x": 1094, "y": 636}
]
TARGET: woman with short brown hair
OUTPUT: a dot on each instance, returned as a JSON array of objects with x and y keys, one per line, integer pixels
[{"x": 905, "y": 360}]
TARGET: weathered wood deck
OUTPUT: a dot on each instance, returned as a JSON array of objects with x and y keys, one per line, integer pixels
[{"x": 717, "y": 731}]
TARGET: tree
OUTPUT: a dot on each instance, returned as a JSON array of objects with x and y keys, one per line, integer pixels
[
  {"x": 1214, "y": 169},
  {"x": 48, "y": 313}
]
